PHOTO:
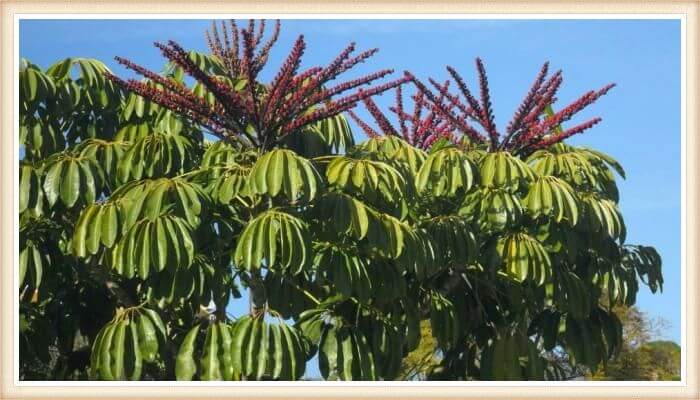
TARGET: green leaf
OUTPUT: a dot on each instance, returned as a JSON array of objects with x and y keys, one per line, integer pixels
[
  {"x": 185, "y": 366},
  {"x": 211, "y": 370},
  {"x": 70, "y": 184},
  {"x": 110, "y": 225},
  {"x": 52, "y": 182}
]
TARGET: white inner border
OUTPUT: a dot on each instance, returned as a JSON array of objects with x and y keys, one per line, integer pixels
[{"x": 681, "y": 383}]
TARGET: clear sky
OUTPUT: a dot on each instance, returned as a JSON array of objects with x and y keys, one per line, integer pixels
[{"x": 641, "y": 116}]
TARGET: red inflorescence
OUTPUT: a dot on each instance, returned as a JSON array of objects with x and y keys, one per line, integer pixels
[
  {"x": 430, "y": 120},
  {"x": 256, "y": 115},
  {"x": 529, "y": 129}
]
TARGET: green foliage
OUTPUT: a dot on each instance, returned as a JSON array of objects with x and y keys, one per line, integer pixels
[
  {"x": 155, "y": 155},
  {"x": 165, "y": 242},
  {"x": 445, "y": 172},
  {"x": 249, "y": 349},
  {"x": 69, "y": 178},
  {"x": 391, "y": 148},
  {"x": 328, "y": 136},
  {"x": 275, "y": 239},
  {"x": 375, "y": 181},
  {"x": 445, "y": 322},
  {"x": 522, "y": 257},
  {"x": 345, "y": 270},
  {"x": 274, "y": 351},
  {"x": 103, "y": 221},
  {"x": 502, "y": 359},
  {"x": 503, "y": 170},
  {"x": 345, "y": 355},
  {"x": 31, "y": 197},
  {"x": 124, "y": 344},
  {"x": 552, "y": 197},
  {"x": 282, "y": 171},
  {"x": 210, "y": 357}
]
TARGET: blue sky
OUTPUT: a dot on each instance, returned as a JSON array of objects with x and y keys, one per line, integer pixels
[{"x": 641, "y": 116}]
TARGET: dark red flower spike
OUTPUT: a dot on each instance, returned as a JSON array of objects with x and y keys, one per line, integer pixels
[
  {"x": 529, "y": 129},
  {"x": 257, "y": 115}
]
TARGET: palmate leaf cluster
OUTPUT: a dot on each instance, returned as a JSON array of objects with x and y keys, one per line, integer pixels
[{"x": 137, "y": 230}]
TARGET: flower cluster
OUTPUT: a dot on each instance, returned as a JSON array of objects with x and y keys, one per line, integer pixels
[
  {"x": 534, "y": 124},
  {"x": 255, "y": 114},
  {"x": 421, "y": 128}
]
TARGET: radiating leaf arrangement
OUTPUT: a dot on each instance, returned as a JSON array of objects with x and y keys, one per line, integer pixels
[
  {"x": 163, "y": 198},
  {"x": 131, "y": 339}
]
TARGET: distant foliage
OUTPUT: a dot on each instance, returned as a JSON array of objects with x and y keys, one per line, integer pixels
[{"x": 642, "y": 358}]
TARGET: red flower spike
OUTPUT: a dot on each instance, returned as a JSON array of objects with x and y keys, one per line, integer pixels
[
  {"x": 529, "y": 99},
  {"x": 566, "y": 134},
  {"x": 227, "y": 55},
  {"x": 400, "y": 114},
  {"x": 264, "y": 54},
  {"x": 417, "y": 111},
  {"x": 486, "y": 109},
  {"x": 365, "y": 128},
  {"x": 229, "y": 99},
  {"x": 280, "y": 84},
  {"x": 379, "y": 117},
  {"x": 473, "y": 102},
  {"x": 338, "y": 106},
  {"x": 309, "y": 94},
  {"x": 360, "y": 58},
  {"x": 228, "y": 49},
  {"x": 338, "y": 62},
  {"x": 261, "y": 31},
  {"x": 235, "y": 39}
]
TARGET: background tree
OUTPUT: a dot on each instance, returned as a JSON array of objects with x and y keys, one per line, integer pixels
[
  {"x": 146, "y": 205},
  {"x": 642, "y": 357},
  {"x": 419, "y": 363}
]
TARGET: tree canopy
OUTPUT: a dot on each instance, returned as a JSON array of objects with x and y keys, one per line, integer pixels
[{"x": 147, "y": 205}]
